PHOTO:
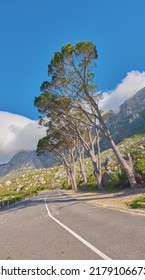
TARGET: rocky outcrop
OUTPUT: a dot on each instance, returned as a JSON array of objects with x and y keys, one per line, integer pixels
[
  {"x": 130, "y": 119},
  {"x": 26, "y": 161},
  {"x": 133, "y": 105}
]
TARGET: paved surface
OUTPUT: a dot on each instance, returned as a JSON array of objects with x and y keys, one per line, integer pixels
[{"x": 27, "y": 231}]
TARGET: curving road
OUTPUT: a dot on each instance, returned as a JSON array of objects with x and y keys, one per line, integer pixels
[{"x": 54, "y": 225}]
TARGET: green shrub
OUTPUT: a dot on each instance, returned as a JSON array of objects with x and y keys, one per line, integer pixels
[
  {"x": 140, "y": 165},
  {"x": 65, "y": 185},
  {"x": 40, "y": 188},
  {"x": 137, "y": 203},
  {"x": 91, "y": 184},
  {"x": 117, "y": 180}
]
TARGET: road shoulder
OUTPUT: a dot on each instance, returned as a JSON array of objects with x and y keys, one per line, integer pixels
[{"x": 116, "y": 200}]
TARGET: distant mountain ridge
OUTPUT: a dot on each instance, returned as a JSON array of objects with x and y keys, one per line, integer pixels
[{"x": 27, "y": 161}]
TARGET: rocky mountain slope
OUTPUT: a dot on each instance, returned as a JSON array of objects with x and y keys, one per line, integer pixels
[
  {"x": 27, "y": 161},
  {"x": 130, "y": 119}
]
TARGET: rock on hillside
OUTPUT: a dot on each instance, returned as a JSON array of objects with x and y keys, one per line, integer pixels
[{"x": 25, "y": 161}]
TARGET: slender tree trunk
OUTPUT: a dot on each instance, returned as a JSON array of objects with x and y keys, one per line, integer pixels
[
  {"x": 126, "y": 164},
  {"x": 96, "y": 161},
  {"x": 70, "y": 169},
  {"x": 68, "y": 177},
  {"x": 98, "y": 147},
  {"x": 73, "y": 170},
  {"x": 127, "y": 167},
  {"x": 97, "y": 171},
  {"x": 81, "y": 163},
  {"x": 73, "y": 181}
]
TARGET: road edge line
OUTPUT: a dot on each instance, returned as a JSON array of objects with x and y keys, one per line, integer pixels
[{"x": 89, "y": 245}]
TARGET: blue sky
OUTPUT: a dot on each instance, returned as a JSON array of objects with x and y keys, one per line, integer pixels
[{"x": 31, "y": 30}]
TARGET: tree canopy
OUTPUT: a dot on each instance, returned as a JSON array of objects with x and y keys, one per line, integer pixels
[{"x": 70, "y": 97}]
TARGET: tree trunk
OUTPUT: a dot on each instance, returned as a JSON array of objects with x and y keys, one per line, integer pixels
[
  {"x": 68, "y": 178},
  {"x": 97, "y": 171},
  {"x": 98, "y": 147},
  {"x": 82, "y": 168},
  {"x": 73, "y": 170},
  {"x": 73, "y": 181},
  {"x": 126, "y": 165},
  {"x": 70, "y": 170}
]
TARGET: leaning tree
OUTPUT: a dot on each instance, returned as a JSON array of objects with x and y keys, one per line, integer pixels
[{"x": 71, "y": 72}]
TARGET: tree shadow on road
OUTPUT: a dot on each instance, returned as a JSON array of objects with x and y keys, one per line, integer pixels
[{"x": 37, "y": 201}]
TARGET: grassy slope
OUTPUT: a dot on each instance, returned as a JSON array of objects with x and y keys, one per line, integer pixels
[{"x": 32, "y": 183}]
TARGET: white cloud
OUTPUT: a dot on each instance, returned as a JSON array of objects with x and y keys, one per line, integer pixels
[
  {"x": 133, "y": 82},
  {"x": 17, "y": 133}
]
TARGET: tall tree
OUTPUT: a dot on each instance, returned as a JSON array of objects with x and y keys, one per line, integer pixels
[{"x": 71, "y": 72}]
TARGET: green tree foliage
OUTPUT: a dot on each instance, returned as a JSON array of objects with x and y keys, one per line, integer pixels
[{"x": 71, "y": 73}]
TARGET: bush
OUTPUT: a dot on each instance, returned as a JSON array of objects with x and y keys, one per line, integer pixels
[
  {"x": 90, "y": 186},
  {"x": 137, "y": 203},
  {"x": 117, "y": 180},
  {"x": 65, "y": 185},
  {"x": 140, "y": 165}
]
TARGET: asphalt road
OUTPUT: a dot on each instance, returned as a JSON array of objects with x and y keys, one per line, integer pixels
[{"x": 54, "y": 225}]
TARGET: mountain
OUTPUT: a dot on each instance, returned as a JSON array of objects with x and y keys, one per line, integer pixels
[
  {"x": 130, "y": 119},
  {"x": 27, "y": 161}
]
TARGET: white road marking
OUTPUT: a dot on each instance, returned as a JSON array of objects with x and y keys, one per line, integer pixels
[{"x": 94, "y": 249}]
